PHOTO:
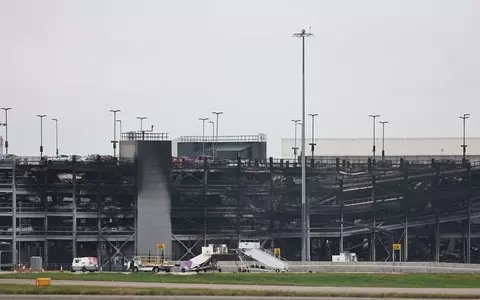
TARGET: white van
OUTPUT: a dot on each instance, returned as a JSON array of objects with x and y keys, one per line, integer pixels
[{"x": 85, "y": 264}]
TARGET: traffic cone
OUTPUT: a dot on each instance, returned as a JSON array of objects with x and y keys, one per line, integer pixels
[{"x": 61, "y": 268}]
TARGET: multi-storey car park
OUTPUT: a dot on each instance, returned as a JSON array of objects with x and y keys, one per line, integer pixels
[
  {"x": 59, "y": 209},
  {"x": 126, "y": 207},
  {"x": 354, "y": 205}
]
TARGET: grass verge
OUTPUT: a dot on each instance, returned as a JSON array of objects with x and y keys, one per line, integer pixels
[
  {"x": 12, "y": 289},
  {"x": 300, "y": 279}
]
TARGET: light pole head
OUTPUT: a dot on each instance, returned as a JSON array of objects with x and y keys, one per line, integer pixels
[
  {"x": 465, "y": 116},
  {"x": 296, "y": 121},
  {"x": 115, "y": 110},
  {"x": 303, "y": 33},
  {"x": 55, "y": 120},
  {"x": 383, "y": 122},
  {"x": 6, "y": 108},
  {"x": 313, "y": 115},
  {"x": 217, "y": 112},
  {"x": 211, "y": 122},
  {"x": 41, "y": 116},
  {"x": 141, "y": 118},
  {"x": 203, "y": 119},
  {"x": 374, "y": 116}
]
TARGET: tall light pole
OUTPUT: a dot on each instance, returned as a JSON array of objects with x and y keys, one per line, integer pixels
[
  {"x": 41, "y": 134},
  {"x": 141, "y": 126},
  {"x": 464, "y": 146},
  {"x": 295, "y": 148},
  {"x": 213, "y": 138},
  {"x": 383, "y": 138},
  {"x": 141, "y": 122},
  {"x": 312, "y": 144},
  {"x": 373, "y": 149},
  {"x": 216, "y": 139},
  {"x": 56, "y": 135},
  {"x": 120, "y": 123},
  {"x": 6, "y": 109},
  {"x": 305, "y": 239},
  {"x": 114, "y": 142},
  {"x": 203, "y": 135},
  {"x": 374, "y": 235}
]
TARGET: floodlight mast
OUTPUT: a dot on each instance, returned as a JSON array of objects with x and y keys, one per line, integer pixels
[{"x": 305, "y": 235}]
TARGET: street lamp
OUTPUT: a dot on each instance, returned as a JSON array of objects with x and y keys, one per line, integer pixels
[
  {"x": 216, "y": 139},
  {"x": 141, "y": 122},
  {"x": 312, "y": 144},
  {"x": 114, "y": 142},
  {"x": 56, "y": 134},
  {"x": 41, "y": 134},
  {"x": 373, "y": 149},
  {"x": 213, "y": 138},
  {"x": 120, "y": 123},
  {"x": 203, "y": 135},
  {"x": 295, "y": 148},
  {"x": 305, "y": 234},
  {"x": 464, "y": 146},
  {"x": 6, "y": 109},
  {"x": 383, "y": 138}
]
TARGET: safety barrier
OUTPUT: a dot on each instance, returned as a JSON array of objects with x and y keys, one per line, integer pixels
[{"x": 42, "y": 282}]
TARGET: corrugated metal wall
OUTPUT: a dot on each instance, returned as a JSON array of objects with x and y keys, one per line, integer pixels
[{"x": 393, "y": 146}]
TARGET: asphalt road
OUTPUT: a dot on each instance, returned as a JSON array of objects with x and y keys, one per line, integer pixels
[
  {"x": 320, "y": 289},
  {"x": 65, "y": 297}
]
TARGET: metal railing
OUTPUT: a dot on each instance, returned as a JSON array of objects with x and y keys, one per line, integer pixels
[
  {"x": 261, "y": 137},
  {"x": 63, "y": 230},
  {"x": 355, "y": 164},
  {"x": 144, "y": 136},
  {"x": 36, "y": 160}
]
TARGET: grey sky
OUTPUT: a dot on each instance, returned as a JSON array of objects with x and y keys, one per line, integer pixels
[{"x": 175, "y": 61}]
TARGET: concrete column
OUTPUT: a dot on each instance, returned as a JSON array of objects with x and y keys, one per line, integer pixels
[
  {"x": 406, "y": 208},
  {"x": 405, "y": 239},
  {"x": 307, "y": 229},
  {"x": 469, "y": 223},
  {"x": 74, "y": 216},
  {"x": 469, "y": 231},
  {"x": 437, "y": 228},
  {"x": 374, "y": 211},
  {"x": 45, "y": 247},
  {"x": 205, "y": 200},
  {"x": 99, "y": 227},
  {"x": 341, "y": 228},
  {"x": 239, "y": 195},
  {"x": 340, "y": 201},
  {"x": 14, "y": 216},
  {"x": 99, "y": 244},
  {"x": 272, "y": 206}
]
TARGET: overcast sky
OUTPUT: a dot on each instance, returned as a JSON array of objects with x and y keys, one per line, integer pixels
[{"x": 416, "y": 63}]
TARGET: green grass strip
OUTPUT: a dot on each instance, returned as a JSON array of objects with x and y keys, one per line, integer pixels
[
  {"x": 292, "y": 279},
  {"x": 13, "y": 289}
]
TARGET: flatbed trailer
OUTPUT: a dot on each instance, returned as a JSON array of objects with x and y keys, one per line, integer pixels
[{"x": 150, "y": 264}]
